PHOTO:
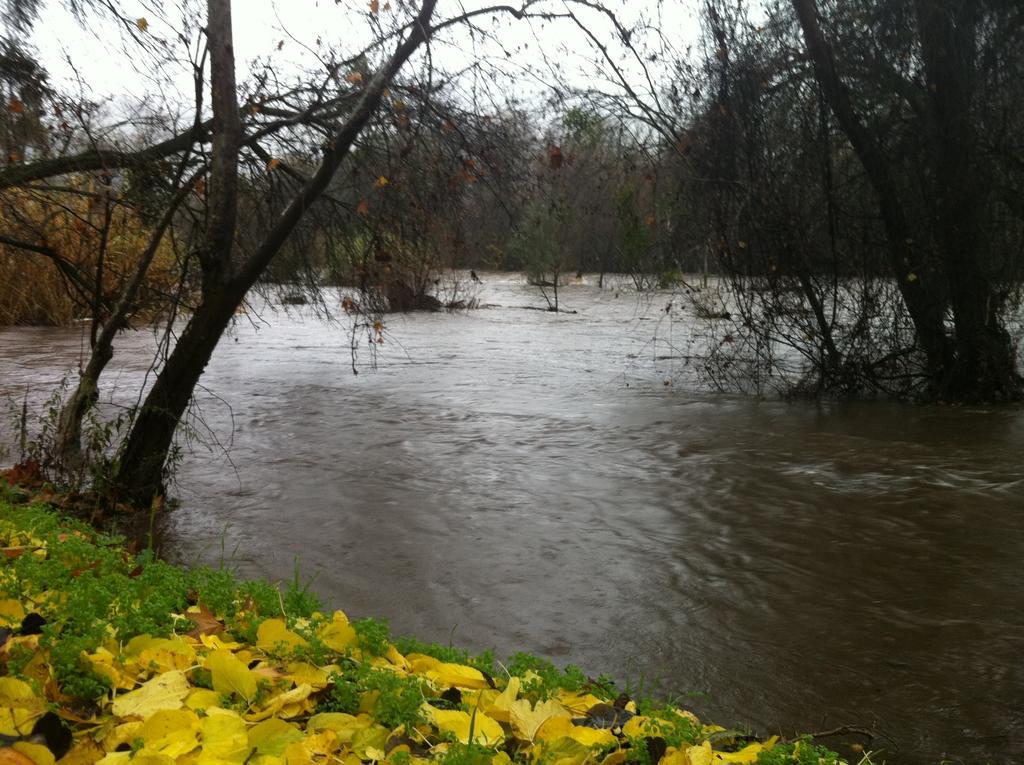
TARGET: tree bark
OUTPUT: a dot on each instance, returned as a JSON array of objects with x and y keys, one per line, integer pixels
[
  {"x": 72, "y": 413},
  {"x": 140, "y": 474}
]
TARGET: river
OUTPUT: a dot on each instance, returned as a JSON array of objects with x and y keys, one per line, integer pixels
[{"x": 512, "y": 479}]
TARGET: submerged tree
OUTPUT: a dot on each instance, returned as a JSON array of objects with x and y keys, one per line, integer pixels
[
  {"x": 844, "y": 161},
  {"x": 944, "y": 259}
]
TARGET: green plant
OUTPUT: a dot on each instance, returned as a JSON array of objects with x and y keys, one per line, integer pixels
[
  {"x": 100, "y": 440},
  {"x": 396, "y": 700},
  {"x": 73, "y": 672},
  {"x": 374, "y": 635},
  {"x": 298, "y": 599},
  {"x": 37, "y": 431},
  {"x": 467, "y": 754},
  {"x": 803, "y": 751},
  {"x": 676, "y": 728},
  {"x": 550, "y": 677}
]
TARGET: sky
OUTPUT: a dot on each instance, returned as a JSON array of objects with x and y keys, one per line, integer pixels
[{"x": 104, "y": 59}]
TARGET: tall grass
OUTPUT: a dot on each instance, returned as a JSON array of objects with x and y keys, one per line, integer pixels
[{"x": 83, "y": 243}]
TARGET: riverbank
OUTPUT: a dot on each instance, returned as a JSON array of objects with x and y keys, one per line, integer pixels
[{"x": 113, "y": 657}]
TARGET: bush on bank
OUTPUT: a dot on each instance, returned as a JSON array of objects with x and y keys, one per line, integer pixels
[{"x": 109, "y": 657}]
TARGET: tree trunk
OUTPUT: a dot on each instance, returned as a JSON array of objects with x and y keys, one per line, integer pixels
[
  {"x": 921, "y": 282},
  {"x": 141, "y": 471},
  {"x": 69, "y": 424},
  {"x": 985, "y": 365},
  {"x": 225, "y": 284},
  {"x": 140, "y": 474}
]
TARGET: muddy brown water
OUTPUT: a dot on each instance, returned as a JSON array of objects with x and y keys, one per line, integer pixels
[{"x": 510, "y": 479}]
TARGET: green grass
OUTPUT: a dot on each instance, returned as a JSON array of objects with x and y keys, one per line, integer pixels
[{"x": 395, "y": 700}]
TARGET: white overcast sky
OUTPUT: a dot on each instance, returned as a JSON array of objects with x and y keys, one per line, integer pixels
[{"x": 98, "y": 55}]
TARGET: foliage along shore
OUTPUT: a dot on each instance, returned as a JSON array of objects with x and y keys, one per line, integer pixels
[{"x": 109, "y": 657}]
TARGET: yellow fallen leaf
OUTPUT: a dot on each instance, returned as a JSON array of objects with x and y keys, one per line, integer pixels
[
  {"x": 162, "y": 653},
  {"x": 396, "y": 658},
  {"x": 500, "y": 708},
  {"x": 619, "y": 756},
  {"x": 11, "y": 611},
  {"x": 150, "y": 757},
  {"x": 579, "y": 703},
  {"x": 38, "y": 667},
  {"x": 556, "y": 728},
  {"x": 338, "y": 634},
  {"x": 485, "y": 730},
  {"x": 37, "y": 753},
  {"x": 214, "y": 642},
  {"x": 116, "y": 758},
  {"x": 19, "y": 707},
  {"x": 224, "y": 738},
  {"x": 122, "y": 734},
  {"x": 339, "y": 723},
  {"x": 173, "y": 732},
  {"x": 527, "y": 720},
  {"x": 13, "y": 692},
  {"x": 279, "y": 705},
  {"x": 230, "y": 675},
  {"x": 274, "y": 633},
  {"x": 105, "y": 664},
  {"x": 84, "y": 751},
  {"x": 312, "y": 747},
  {"x": 370, "y": 740},
  {"x": 18, "y": 721},
  {"x": 700, "y": 754},
  {"x": 316, "y": 677},
  {"x": 564, "y": 751},
  {"x": 446, "y": 675},
  {"x": 672, "y": 756},
  {"x": 166, "y": 691},
  {"x": 271, "y": 737},
  {"x": 202, "y": 698},
  {"x": 747, "y": 755}
]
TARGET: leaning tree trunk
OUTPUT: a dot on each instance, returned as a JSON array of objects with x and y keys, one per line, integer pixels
[
  {"x": 227, "y": 276},
  {"x": 140, "y": 474},
  {"x": 141, "y": 471}
]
